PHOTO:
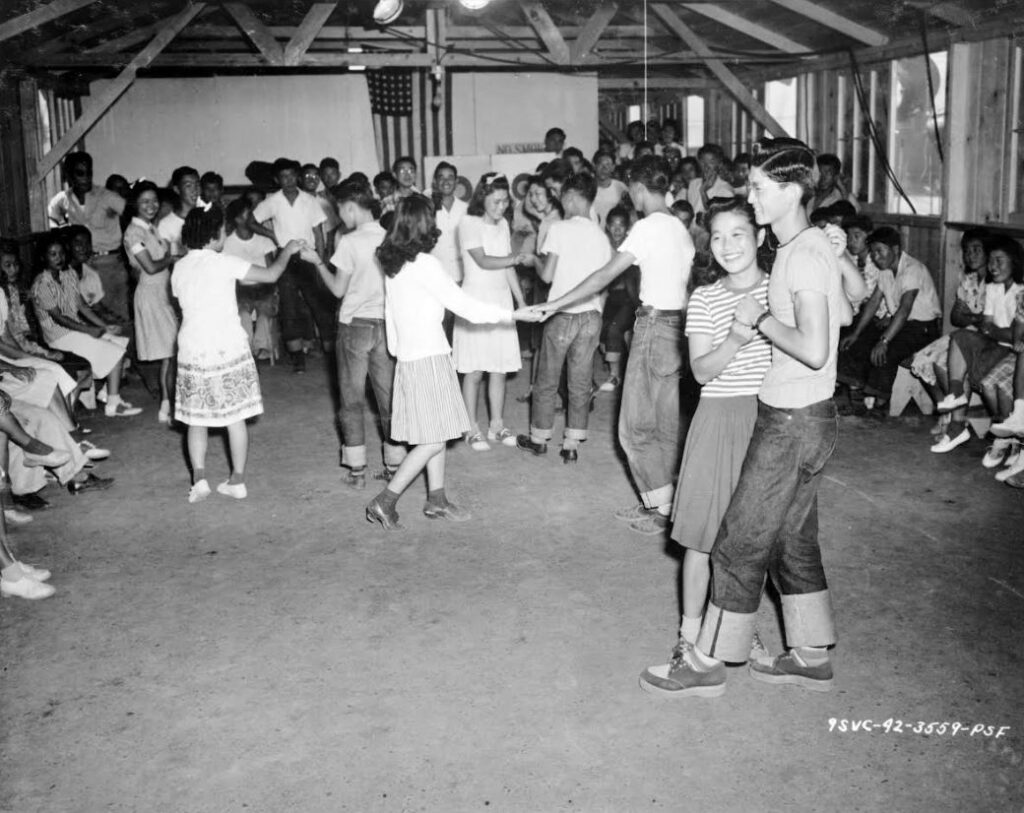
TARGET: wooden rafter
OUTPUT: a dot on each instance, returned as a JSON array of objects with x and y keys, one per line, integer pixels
[
  {"x": 256, "y": 32},
  {"x": 546, "y": 29},
  {"x": 751, "y": 29},
  {"x": 592, "y": 30},
  {"x": 112, "y": 92},
  {"x": 77, "y": 36},
  {"x": 136, "y": 36},
  {"x": 41, "y": 16},
  {"x": 947, "y": 12},
  {"x": 307, "y": 31},
  {"x": 845, "y": 25},
  {"x": 668, "y": 16}
]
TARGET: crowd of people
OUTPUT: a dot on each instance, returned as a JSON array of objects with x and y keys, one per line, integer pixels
[{"x": 756, "y": 279}]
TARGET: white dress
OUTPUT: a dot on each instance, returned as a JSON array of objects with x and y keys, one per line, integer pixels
[
  {"x": 217, "y": 381},
  {"x": 491, "y": 348}
]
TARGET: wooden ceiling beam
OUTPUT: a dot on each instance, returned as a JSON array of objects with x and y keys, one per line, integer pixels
[
  {"x": 844, "y": 25},
  {"x": 137, "y": 36},
  {"x": 256, "y": 32},
  {"x": 669, "y": 17},
  {"x": 546, "y": 29},
  {"x": 688, "y": 83},
  {"x": 592, "y": 31},
  {"x": 77, "y": 36},
  {"x": 41, "y": 16},
  {"x": 947, "y": 12},
  {"x": 307, "y": 31},
  {"x": 113, "y": 91},
  {"x": 745, "y": 26}
]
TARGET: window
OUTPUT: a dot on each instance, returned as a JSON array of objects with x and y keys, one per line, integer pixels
[
  {"x": 917, "y": 116},
  {"x": 780, "y": 100},
  {"x": 694, "y": 126},
  {"x": 635, "y": 113}
]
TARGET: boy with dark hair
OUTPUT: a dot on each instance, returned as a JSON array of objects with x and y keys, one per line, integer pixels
[
  {"x": 362, "y": 349},
  {"x": 711, "y": 184},
  {"x": 574, "y": 248},
  {"x": 554, "y": 140},
  {"x": 211, "y": 186},
  {"x": 830, "y": 188}
]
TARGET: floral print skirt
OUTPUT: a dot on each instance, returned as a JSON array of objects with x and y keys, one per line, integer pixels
[{"x": 217, "y": 389}]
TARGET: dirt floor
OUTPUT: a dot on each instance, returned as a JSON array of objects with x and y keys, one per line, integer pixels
[{"x": 281, "y": 654}]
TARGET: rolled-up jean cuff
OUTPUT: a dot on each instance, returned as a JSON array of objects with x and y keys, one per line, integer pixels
[
  {"x": 726, "y": 635},
  {"x": 353, "y": 456},
  {"x": 809, "y": 619},
  {"x": 612, "y": 355},
  {"x": 539, "y": 435},
  {"x": 575, "y": 434},
  {"x": 394, "y": 454},
  {"x": 657, "y": 496}
]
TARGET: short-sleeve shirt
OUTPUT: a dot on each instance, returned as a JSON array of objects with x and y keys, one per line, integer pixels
[
  {"x": 1001, "y": 302},
  {"x": 805, "y": 263},
  {"x": 204, "y": 284},
  {"x": 911, "y": 275},
  {"x": 169, "y": 228},
  {"x": 582, "y": 248},
  {"x": 142, "y": 236},
  {"x": 721, "y": 188},
  {"x": 664, "y": 252},
  {"x": 356, "y": 262},
  {"x": 447, "y": 247},
  {"x": 100, "y": 213},
  {"x": 971, "y": 291},
  {"x": 90, "y": 286},
  {"x": 608, "y": 197},
  {"x": 711, "y": 312},
  {"x": 59, "y": 294},
  {"x": 254, "y": 250},
  {"x": 291, "y": 220}
]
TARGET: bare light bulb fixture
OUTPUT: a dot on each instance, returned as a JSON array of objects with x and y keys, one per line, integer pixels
[
  {"x": 387, "y": 11},
  {"x": 474, "y": 5}
]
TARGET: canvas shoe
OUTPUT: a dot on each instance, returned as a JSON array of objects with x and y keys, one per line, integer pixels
[
  {"x": 633, "y": 512},
  {"x": 199, "y": 491},
  {"x": 475, "y": 441},
  {"x": 951, "y": 402},
  {"x": 1014, "y": 425},
  {"x": 236, "y": 490},
  {"x": 119, "y": 408},
  {"x": 25, "y": 587},
  {"x": 997, "y": 453},
  {"x": 1014, "y": 466},
  {"x": 681, "y": 678},
  {"x": 948, "y": 444},
  {"x": 653, "y": 523},
  {"x": 790, "y": 668},
  {"x": 40, "y": 574},
  {"x": 504, "y": 436}
]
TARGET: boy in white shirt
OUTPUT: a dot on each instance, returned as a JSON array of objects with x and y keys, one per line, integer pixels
[
  {"x": 710, "y": 184},
  {"x": 296, "y": 215},
  {"x": 574, "y": 249},
  {"x": 651, "y": 429}
]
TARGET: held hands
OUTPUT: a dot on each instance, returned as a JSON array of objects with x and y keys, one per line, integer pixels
[
  {"x": 748, "y": 310},
  {"x": 294, "y": 247},
  {"x": 837, "y": 237},
  {"x": 528, "y": 314}
]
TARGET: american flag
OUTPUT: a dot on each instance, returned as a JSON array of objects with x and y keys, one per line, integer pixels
[{"x": 411, "y": 114}]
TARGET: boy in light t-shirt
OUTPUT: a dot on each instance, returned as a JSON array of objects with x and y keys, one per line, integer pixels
[
  {"x": 574, "y": 248},
  {"x": 651, "y": 429}
]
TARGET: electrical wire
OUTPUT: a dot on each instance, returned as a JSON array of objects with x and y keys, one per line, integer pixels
[
  {"x": 646, "y": 109},
  {"x": 931, "y": 88}
]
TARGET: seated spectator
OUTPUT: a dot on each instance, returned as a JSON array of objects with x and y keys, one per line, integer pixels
[
  {"x": 68, "y": 324},
  {"x": 830, "y": 188},
  {"x": 874, "y": 349},
  {"x": 929, "y": 363},
  {"x": 1007, "y": 379},
  {"x": 740, "y": 172},
  {"x": 667, "y": 139},
  {"x": 974, "y": 353},
  {"x": 634, "y": 135}
]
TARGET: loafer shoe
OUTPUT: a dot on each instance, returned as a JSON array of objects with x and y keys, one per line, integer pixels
[
  {"x": 16, "y": 517},
  {"x": 527, "y": 444},
  {"x": 236, "y": 490},
  {"x": 92, "y": 482},
  {"x": 25, "y": 587},
  {"x": 791, "y": 669},
  {"x": 92, "y": 451},
  {"x": 951, "y": 402},
  {"x": 997, "y": 453},
  {"x": 448, "y": 511},
  {"x": 55, "y": 457},
  {"x": 948, "y": 444},
  {"x": 1014, "y": 467},
  {"x": 1014, "y": 425}
]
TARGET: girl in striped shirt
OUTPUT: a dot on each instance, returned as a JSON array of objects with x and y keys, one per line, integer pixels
[{"x": 729, "y": 359}]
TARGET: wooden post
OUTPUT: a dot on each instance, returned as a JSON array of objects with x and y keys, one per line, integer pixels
[
  {"x": 668, "y": 16},
  {"x": 112, "y": 92},
  {"x": 32, "y": 143}
]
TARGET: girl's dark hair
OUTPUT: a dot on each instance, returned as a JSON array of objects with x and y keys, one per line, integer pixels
[
  {"x": 202, "y": 226},
  {"x": 140, "y": 187},
  {"x": 712, "y": 272},
  {"x": 652, "y": 172},
  {"x": 411, "y": 232},
  {"x": 354, "y": 192},
  {"x": 1011, "y": 248},
  {"x": 983, "y": 236},
  {"x": 787, "y": 160},
  {"x": 886, "y": 235},
  {"x": 489, "y": 182},
  {"x": 235, "y": 209},
  {"x": 559, "y": 170},
  {"x": 56, "y": 237}
]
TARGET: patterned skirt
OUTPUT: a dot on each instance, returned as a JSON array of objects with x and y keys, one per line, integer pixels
[
  {"x": 426, "y": 403},
  {"x": 217, "y": 391}
]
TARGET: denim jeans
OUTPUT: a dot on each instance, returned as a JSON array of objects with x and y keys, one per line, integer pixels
[
  {"x": 303, "y": 293},
  {"x": 771, "y": 527},
  {"x": 651, "y": 427},
  {"x": 569, "y": 339},
  {"x": 362, "y": 350}
]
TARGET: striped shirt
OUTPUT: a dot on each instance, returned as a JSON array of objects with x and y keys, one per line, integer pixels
[
  {"x": 710, "y": 312},
  {"x": 59, "y": 294}
]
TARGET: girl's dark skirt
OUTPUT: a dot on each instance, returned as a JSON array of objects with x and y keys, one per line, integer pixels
[
  {"x": 980, "y": 353},
  {"x": 426, "y": 404},
  {"x": 716, "y": 445}
]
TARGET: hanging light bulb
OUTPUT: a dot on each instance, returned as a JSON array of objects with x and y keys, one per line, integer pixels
[
  {"x": 474, "y": 5},
  {"x": 387, "y": 11}
]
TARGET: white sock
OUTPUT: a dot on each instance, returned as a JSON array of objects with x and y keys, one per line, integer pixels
[
  {"x": 665, "y": 510},
  {"x": 1018, "y": 408},
  {"x": 690, "y": 628}
]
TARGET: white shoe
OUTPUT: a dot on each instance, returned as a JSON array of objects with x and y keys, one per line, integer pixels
[
  {"x": 948, "y": 444},
  {"x": 951, "y": 402},
  {"x": 118, "y": 408},
  {"x": 610, "y": 385},
  {"x": 236, "y": 490},
  {"x": 1014, "y": 465},
  {"x": 199, "y": 491},
  {"x": 997, "y": 453},
  {"x": 25, "y": 587},
  {"x": 92, "y": 451},
  {"x": 55, "y": 458},
  {"x": 1014, "y": 425},
  {"x": 16, "y": 517},
  {"x": 40, "y": 574}
]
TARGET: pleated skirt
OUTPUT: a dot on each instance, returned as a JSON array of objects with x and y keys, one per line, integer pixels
[
  {"x": 426, "y": 402},
  {"x": 716, "y": 445}
]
